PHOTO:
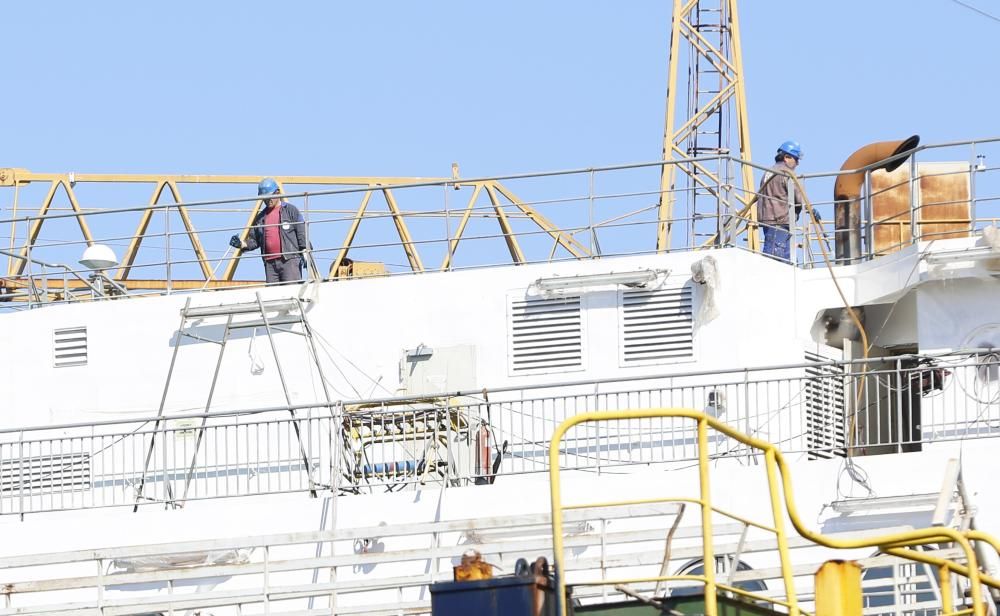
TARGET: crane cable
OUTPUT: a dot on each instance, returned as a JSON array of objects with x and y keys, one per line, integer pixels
[
  {"x": 829, "y": 265},
  {"x": 856, "y": 473}
]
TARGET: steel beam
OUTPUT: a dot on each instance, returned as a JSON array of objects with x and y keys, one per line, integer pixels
[
  {"x": 349, "y": 239},
  {"x": 728, "y": 101},
  {"x": 24, "y": 176},
  {"x": 36, "y": 226},
  {"x": 453, "y": 242},
  {"x": 743, "y": 123},
  {"x": 133, "y": 248},
  {"x": 404, "y": 233},
  {"x": 566, "y": 240},
  {"x": 508, "y": 233},
  {"x": 665, "y": 213}
]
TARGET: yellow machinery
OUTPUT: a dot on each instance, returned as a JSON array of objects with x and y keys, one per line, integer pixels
[
  {"x": 834, "y": 587},
  {"x": 386, "y": 443},
  {"x": 504, "y": 205}
]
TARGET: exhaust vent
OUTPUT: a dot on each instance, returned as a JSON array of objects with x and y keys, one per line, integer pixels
[
  {"x": 656, "y": 326},
  {"x": 826, "y": 422},
  {"x": 51, "y": 472},
  {"x": 69, "y": 347},
  {"x": 546, "y": 335}
]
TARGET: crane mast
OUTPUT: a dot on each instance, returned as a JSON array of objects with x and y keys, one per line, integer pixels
[{"x": 705, "y": 40}]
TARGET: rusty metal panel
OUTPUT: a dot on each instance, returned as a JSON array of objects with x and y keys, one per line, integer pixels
[
  {"x": 945, "y": 210},
  {"x": 361, "y": 269},
  {"x": 942, "y": 204}
]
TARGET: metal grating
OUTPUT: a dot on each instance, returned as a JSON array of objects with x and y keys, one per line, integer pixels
[
  {"x": 69, "y": 347},
  {"x": 656, "y": 325},
  {"x": 824, "y": 408},
  {"x": 546, "y": 334},
  {"x": 45, "y": 473}
]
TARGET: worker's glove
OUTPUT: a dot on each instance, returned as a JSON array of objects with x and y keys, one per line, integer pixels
[
  {"x": 818, "y": 217},
  {"x": 236, "y": 242}
]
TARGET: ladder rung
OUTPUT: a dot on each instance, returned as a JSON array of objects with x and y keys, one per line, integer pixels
[
  {"x": 226, "y": 309},
  {"x": 282, "y": 320}
]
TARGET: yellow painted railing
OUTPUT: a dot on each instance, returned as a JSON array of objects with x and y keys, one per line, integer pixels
[{"x": 782, "y": 502}]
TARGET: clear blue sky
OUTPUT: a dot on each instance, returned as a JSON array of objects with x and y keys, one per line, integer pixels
[{"x": 406, "y": 88}]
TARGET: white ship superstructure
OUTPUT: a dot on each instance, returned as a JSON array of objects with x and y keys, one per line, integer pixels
[
  {"x": 219, "y": 445},
  {"x": 596, "y": 366}
]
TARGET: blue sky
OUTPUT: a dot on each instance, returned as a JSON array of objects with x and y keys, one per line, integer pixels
[{"x": 407, "y": 88}]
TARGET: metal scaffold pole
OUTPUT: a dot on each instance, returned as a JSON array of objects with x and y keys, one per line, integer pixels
[{"x": 252, "y": 315}]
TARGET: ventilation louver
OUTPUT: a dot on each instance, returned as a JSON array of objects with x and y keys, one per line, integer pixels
[
  {"x": 69, "y": 347},
  {"x": 546, "y": 335},
  {"x": 824, "y": 409},
  {"x": 656, "y": 326},
  {"x": 45, "y": 473}
]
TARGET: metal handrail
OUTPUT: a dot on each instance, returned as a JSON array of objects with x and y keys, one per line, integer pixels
[
  {"x": 517, "y": 176},
  {"x": 448, "y": 183},
  {"x": 860, "y": 364},
  {"x": 267, "y": 550},
  {"x": 65, "y": 268},
  {"x": 799, "y": 408},
  {"x": 782, "y": 501},
  {"x": 726, "y": 219}
]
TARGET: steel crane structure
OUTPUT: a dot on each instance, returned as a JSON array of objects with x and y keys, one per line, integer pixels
[
  {"x": 697, "y": 163},
  {"x": 705, "y": 40}
]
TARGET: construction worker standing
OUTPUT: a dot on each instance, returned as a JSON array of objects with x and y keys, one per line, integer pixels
[
  {"x": 772, "y": 201},
  {"x": 279, "y": 232}
]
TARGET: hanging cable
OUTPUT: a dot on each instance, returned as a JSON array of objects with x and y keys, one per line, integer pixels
[
  {"x": 327, "y": 347},
  {"x": 855, "y": 472},
  {"x": 256, "y": 363},
  {"x": 980, "y": 11}
]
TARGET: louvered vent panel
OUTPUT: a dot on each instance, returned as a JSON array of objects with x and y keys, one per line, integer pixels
[
  {"x": 656, "y": 326},
  {"x": 69, "y": 347},
  {"x": 45, "y": 473},
  {"x": 824, "y": 409},
  {"x": 546, "y": 334}
]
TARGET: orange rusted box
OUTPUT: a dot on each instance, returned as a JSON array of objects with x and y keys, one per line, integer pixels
[
  {"x": 942, "y": 204},
  {"x": 361, "y": 269}
]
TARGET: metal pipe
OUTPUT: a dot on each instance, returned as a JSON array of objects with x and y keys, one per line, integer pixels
[{"x": 847, "y": 191}]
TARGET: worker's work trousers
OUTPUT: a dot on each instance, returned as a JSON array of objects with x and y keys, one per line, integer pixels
[
  {"x": 776, "y": 240},
  {"x": 282, "y": 270}
]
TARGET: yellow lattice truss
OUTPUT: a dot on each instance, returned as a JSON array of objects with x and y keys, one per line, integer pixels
[{"x": 504, "y": 202}]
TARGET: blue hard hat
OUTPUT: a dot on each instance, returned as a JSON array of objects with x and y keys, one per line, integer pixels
[
  {"x": 792, "y": 148},
  {"x": 267, "y": 186}
]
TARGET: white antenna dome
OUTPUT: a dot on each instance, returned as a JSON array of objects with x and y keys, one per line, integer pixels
[{"x": 98, "y": 257}]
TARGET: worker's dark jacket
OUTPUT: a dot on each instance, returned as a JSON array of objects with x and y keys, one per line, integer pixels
[
  {"x": 292, "y": 232},
  {"x": 772, "y": 202}
]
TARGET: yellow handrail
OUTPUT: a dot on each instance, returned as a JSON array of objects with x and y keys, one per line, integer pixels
[{"x": 897, "y": 544}]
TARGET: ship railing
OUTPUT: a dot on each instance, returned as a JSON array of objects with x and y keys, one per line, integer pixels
[
  {"x": 385, "y": 567},
  {"x": 382, "y": 226},
  {"x": 165, "y": 463},
  {"x": 816, "y": 409},
  {"x": 962, "y": 588},
  {"x": 36, "y": 290}
]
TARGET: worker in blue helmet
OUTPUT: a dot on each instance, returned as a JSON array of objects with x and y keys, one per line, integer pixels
[
  {"x": 773, "y": 201},
  {"x": 279, "y": 232}
]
